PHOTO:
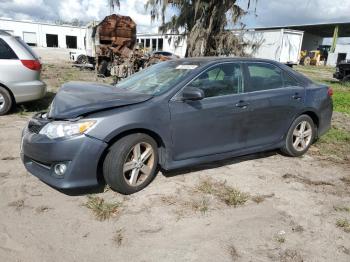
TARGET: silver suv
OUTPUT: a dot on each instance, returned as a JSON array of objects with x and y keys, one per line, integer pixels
[{"x": 19, "y": 73}]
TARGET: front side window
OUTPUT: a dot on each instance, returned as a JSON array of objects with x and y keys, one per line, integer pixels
[
  {"x": 220, "y": 80},
  {"x": 5, "y": 51},
  {"x": 264, "y": 77}
]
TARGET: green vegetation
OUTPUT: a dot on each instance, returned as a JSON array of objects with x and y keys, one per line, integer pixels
[
  {"x": 341, "y": 101},
  {"x": 342, "y": 209},
  {"x": 335, "y": 144},
  {"x": 201, "y": 205},
  {"x": 336, "y": 136},
  {"x": 343, "y": 224},
  {"x": 118, "y": 237},
  {"x": 229, "y": 195},
  {"x": 101, "y": 209}
]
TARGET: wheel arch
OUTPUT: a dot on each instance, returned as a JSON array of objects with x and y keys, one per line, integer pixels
[
  {"x": 10, "y": 92},
  {"x": 159, "y": 140},
  {"x": 315, "y": 118}
]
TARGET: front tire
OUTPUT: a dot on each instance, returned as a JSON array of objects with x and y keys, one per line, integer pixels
[
  {"x": 131, "y": 163},
  {"x": 300, "y": 136},
  {"x": 82, "y": 59},
  {"x": 5, "y": 101},
  {"x": 103, "y": 68}
]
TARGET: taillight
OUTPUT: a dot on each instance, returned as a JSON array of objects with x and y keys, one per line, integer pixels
[
  {"x": 32, "y": 64},
  {"x": 330, "y": 91}
]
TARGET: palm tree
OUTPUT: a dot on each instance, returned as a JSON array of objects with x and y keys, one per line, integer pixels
[
  {"x": 204, "y": 23},
  {"x": 112, "y": 4}
]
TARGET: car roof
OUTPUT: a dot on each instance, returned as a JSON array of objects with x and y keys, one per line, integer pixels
[
  {"x": 4, "y": 33},
  {"x": 215, "y": 59}
]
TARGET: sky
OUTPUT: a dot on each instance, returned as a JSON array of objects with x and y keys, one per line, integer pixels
[{"x": 268, "y": 12}]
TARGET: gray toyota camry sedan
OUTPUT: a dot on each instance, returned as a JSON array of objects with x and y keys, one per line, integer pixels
[{"x": 172, "y": 115}]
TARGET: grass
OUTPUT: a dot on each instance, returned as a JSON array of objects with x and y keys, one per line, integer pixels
[
  {"x": 335, "y": 143},
  {"x": 344, "y": 224},
  {"x": 307, "y": 181},
  {"x": 342, "y": 209},
  {"x": 229, "y": 195},
  {"x": 261, "y": 198},
  {"x": 342, "y": 101},
  {"x": 280, "y": 237},
  {"x": 201, "y": 205},
  {"x": 232, "y": 196},
  {"x": 101, "y": 209},
  {"x": 118, "y": 237},
  {"x": 18, "y": 204},
  {"x": 335, "y": 135}
]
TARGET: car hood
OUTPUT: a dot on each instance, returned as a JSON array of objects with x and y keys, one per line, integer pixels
[{"x": 79, "y": 98}]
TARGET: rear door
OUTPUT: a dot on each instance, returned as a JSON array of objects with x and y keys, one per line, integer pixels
[
  {"x": 212, "y": 125},
  {"x": 274, "y": 98}
]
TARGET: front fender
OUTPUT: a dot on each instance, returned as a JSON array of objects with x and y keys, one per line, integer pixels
[{"x": 149, "y": 117}]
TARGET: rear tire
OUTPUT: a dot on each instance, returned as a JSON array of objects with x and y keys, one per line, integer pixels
[
  {"x": 131, "y": 163},
  {"x": 300, "y": 136},
  {"x": 5, "y": 101}
]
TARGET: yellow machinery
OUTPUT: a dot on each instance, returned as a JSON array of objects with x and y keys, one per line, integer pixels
[{"x": 313, "y": 57}]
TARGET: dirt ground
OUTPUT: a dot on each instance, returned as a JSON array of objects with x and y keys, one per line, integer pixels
[{"x": 262, "y": 207}]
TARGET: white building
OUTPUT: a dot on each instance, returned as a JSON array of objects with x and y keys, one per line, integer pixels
[
  {"x": 46, "y": 34},
  {"x": 167, "y": 42}
]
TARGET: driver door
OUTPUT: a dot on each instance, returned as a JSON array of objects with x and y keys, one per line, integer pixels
[{"x": 214, "y": 124}]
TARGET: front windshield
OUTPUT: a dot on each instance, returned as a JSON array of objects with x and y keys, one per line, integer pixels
[{"x": 158, "y": 78}]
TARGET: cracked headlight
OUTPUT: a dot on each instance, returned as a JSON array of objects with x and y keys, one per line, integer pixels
[{"x": 59, "y": 129}]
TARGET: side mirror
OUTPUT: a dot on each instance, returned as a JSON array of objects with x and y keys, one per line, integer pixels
[{"x": 192, "y": 94}]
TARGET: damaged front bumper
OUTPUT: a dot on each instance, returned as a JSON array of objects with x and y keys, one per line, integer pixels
[{"x": 79, "y": 154}]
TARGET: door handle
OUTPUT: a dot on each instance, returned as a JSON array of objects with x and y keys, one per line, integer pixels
[
  {"x": 296, "y": 96},
  {"x": 242, "y": 104}
]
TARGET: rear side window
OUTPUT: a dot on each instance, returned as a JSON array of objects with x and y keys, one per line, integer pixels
[
  {"x": 264, "y": 77},
  {"x": 5, "y": 51},
  {"x": 27, "y": 47},
  {"x": 288, "y": 80},
  {"x": 220, "y": 80}
]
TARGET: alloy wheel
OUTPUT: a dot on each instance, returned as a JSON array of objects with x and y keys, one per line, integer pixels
[
  {"x": 2, "y": 102},
  {"x": 302, "y": 136},
  {"x": 138, "y": 164}
]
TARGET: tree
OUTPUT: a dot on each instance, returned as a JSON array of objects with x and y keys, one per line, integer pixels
[{"x": 204, "y": 23}]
